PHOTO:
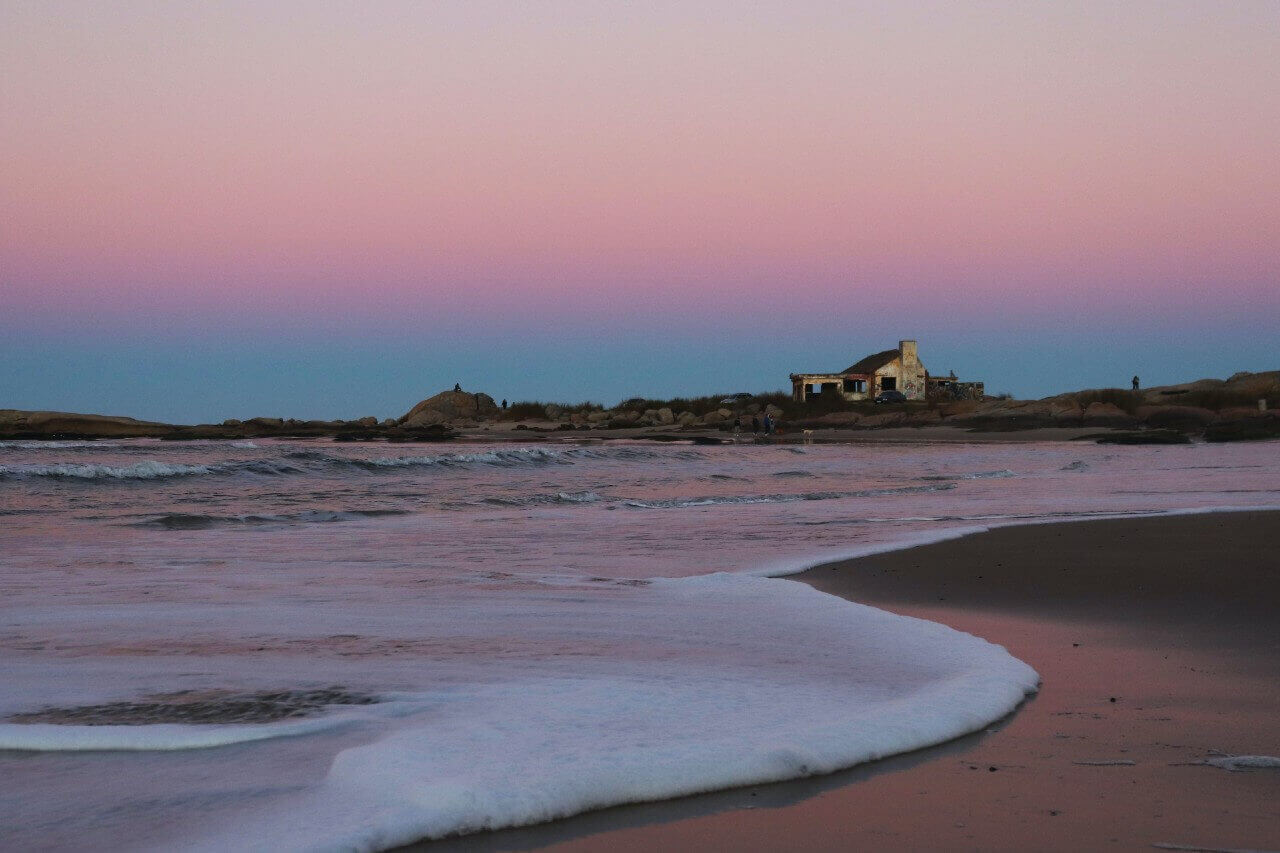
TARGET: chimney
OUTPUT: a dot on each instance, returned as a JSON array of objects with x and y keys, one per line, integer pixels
[{"x": 908, "y": 350}]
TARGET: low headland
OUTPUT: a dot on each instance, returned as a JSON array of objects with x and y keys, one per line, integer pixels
[{"x": 1245, "y": 406}]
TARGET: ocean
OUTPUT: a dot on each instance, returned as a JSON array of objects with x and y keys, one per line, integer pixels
[{"x": 276, "y": 645}]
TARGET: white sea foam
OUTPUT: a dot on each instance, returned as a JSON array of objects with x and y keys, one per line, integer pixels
[
  {"x": 726, "y": 500},
  {"x": 149, "y": 470},
  {"x": 803, "y": 683},
  {"x": 1244, "y": 762},
  {"x": 55, "y": 445}
]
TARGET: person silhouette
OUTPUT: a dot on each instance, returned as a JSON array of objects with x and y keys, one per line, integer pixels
[
  {"x": 1135, "y": 383},
  {"x": 457, "y": 386}
]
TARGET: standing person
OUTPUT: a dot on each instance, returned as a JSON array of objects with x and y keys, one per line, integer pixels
[
  {"x": 1135, "y": 383},
  {"x": 755, "y": 425},
  {"x": 504, "y": 404},
  {"x": 768, "y": 424}
]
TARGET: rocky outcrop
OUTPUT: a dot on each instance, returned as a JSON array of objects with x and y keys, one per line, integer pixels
[
  {"x": 1108, "y": 415},
  {"x": 449, "y": 406},
  {"x": 16, "y": 424}
]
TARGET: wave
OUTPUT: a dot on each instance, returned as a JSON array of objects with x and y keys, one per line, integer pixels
[
  {"x": 54, "y": 445},
  {"x": 722, "y": 500},
  {"x": 537, "y": 500},
  {"x": 550, "y": 744},
  {"x": 201, "y": 521},
  {"x": 313, "y": 461},
  {"x": 1002, "y": 474}
]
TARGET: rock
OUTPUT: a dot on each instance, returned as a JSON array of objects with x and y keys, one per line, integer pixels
[
  {"x": 1176, "y": 417},
  {"x": 666, "y": 416},
  {"x": 598, "y": 417},
  {"x": 773, "y": 411},
  {"x": 686, "y": 419},
  {"x": 724, "y": 414},
  {"x": 712, "y": 418},
  {"x": 388, "y": 422},
  {"x": 449, "y": 406},
  {"x": 369, "y": 421},
  {"x": 232, "y": 422},
  {"x": 1108, "y": 415},
  {"x": 553, "y": 412},
  {"x": 268, "y": 423},
  {"x": 1142, "y": 436}
]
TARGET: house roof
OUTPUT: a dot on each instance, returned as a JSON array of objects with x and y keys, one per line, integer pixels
[{"x": 872, "y": 363}]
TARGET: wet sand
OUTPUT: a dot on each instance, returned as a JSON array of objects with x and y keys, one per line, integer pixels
[{"x": 1158, "y": 643}]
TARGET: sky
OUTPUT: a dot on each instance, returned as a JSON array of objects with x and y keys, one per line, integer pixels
[{"x": 321, "y": 209}]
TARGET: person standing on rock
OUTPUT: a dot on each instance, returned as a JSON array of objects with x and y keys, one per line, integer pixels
[{"x": 1135, "y": 383}]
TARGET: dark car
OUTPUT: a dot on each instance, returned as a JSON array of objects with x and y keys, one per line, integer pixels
[{"x": 891, "y": 397}]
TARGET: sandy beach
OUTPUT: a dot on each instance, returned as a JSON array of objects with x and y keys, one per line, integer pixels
[{"x": 1157, "y": 646}]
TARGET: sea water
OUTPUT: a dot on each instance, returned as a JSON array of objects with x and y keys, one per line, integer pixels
[{"x": 308, "y": 645}]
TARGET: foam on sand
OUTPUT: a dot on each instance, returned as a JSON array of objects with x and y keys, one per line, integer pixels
[{"x": 792, "y": 682}]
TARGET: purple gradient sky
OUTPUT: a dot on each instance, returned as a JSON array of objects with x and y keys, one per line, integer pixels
[{"x": 334, "y": 209}]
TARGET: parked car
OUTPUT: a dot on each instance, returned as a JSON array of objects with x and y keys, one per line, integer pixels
[
  {"x": 891, "y": 397},
  {"x": 734, "y": 399}
]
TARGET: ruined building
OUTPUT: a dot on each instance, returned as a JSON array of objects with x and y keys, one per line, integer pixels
[{"x": 892, "y": 370}]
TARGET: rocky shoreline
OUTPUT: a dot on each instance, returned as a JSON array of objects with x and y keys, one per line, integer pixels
[{"x": 1244, "y": 407}]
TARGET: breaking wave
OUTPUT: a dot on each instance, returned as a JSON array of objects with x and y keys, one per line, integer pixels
[
  {"x": 680, "y": 503},
  {"x": 537, "y": 500},
  {"x": 313, "y": 461},
  {"x": 1002, "y": 474},
  {"x": 201, "y": 521}
]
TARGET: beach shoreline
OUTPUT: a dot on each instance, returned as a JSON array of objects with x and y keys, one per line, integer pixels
[{"x": 1156, "y": 644}]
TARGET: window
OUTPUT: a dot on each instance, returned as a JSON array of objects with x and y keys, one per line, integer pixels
[{"x": 889, "y": 383}]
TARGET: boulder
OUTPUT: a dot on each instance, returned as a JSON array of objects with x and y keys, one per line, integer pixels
[
  {"x": 1176, "y": 417},
  {"x": 773, "y": 411},
  {"x": 712, "y": 418},
  {"x": 369, "y": 421},
  {"x": 1066, "y": 414},
  {"x": 686, "y": 419},
  {"x": 449, "y": 406},
  {"x": 1108, "y": 415},
  {"x": 599, "y": 417},
  {"x": 553, "y": 412},
  {"x": 666, "y": 416}
]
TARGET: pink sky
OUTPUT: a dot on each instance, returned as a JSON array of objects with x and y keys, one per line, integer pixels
[{"x": 209, "y": 160}]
